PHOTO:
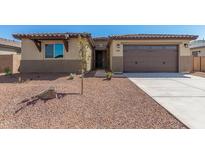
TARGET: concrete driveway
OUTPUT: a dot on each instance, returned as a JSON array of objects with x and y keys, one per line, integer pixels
[{"x": 183, "y": 95}]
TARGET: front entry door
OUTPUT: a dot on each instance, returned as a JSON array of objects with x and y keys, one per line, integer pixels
[{"x": 99, "y": 59}]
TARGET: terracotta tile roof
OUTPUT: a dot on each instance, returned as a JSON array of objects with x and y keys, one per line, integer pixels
[
  {"x": 11, "y": 43},
  {"x": 54, "y": 36},
  {"x": 154, "y": 36},
  {"x": 50, "y": 35}
]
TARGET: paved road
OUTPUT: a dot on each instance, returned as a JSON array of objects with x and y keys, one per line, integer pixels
[{"x": 181, "y": 94}]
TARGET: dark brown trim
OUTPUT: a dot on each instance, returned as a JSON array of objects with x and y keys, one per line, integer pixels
[
  {"x": 65, "y": 42},
  {"x": 38, "y": 44}
]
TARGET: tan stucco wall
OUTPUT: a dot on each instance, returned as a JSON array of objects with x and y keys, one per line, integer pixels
[
  {"x": 16, "y": 63},
  {"x": 117, "y": 51},
  {"x": 30, "y": 51}
]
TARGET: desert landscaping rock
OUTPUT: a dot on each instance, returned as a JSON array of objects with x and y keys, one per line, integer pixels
[
  {"x": 117, "y": 103},
  {"x": 201, "y": 74}
]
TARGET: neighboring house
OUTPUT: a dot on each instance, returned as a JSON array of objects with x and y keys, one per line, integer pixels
[
  {"x": 9, "y": 55},
  {"x": 8, "y": 47},
  {"x": 197, "y": 48},
  {"x": 53, "y": 52},
  {"x": 59, "y": 52}
]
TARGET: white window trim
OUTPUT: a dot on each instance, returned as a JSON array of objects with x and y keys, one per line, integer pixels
[{"x": 54, "y": 51}]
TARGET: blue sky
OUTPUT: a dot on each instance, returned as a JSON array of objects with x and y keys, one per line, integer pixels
[{"x": 104, "y": 30}]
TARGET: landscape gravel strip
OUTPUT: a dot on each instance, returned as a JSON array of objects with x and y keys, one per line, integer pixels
[
  {"x": 200, "y": 74},
  {"x": 117, "y": 103}
]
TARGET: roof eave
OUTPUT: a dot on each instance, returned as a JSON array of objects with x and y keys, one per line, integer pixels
[
  {"x": 50, "y": 35},
  {"x": 199, "y": 47},
  {"x": 64, "y": 36},
  {"x": 154, "y": 38},
  {"x": 10, "y": 46}
]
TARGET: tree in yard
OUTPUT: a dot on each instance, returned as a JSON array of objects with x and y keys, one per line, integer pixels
[{"x": 84, "y": 56}]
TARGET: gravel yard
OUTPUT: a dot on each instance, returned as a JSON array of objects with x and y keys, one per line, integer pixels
[
  {"x": 105, "y": 104},
  {"x": 201, "y": 74}
]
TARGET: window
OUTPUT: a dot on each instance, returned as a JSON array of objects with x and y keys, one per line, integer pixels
[
  {"x": 195, "y": 53},
  {"x": 54, "y": 51},
  {"x": 49, "y": 50},
  {"x": 58, "y": 50}
]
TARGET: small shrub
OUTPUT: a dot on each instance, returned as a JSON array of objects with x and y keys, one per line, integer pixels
[
  {"x": 71, "y": 76},
  {"x": 7, "y": 71},
  {"x": 108, "y": 75}
]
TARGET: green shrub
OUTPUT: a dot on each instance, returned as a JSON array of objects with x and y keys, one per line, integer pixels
[
  {"x": 108, "y": 75},
  {"x": 7, "y": 71}
]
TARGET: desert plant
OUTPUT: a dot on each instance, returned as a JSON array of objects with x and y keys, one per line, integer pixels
[
  {"x": 84, "y": 45},
  {"x": 108, "y": 75},
  {"x": 7, "y": 71},
  {"x": 71, "y": 76}
]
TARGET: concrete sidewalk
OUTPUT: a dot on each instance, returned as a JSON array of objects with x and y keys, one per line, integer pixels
[
  {"x": 181, "y": 94},
  {"x": 102, "y": 74}
]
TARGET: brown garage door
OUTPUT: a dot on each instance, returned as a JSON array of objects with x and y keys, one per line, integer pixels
[{"x": 138, "y": 58}]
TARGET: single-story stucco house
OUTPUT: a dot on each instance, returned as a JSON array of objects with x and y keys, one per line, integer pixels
[
  {"x": 59, "y": 52},
  {"x": 10, "y": 55},
  {"x": 8, "y": 47},
  {"x": 197, "y": 48}
]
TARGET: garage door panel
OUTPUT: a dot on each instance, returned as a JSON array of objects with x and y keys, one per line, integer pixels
[{"x": 150, "y": 58}]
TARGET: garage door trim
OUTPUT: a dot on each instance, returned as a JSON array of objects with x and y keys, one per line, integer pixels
[{"x": 177, "y": 50}]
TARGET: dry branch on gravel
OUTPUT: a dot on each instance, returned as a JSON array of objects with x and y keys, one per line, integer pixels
[{"x": 44, "y": 95}]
